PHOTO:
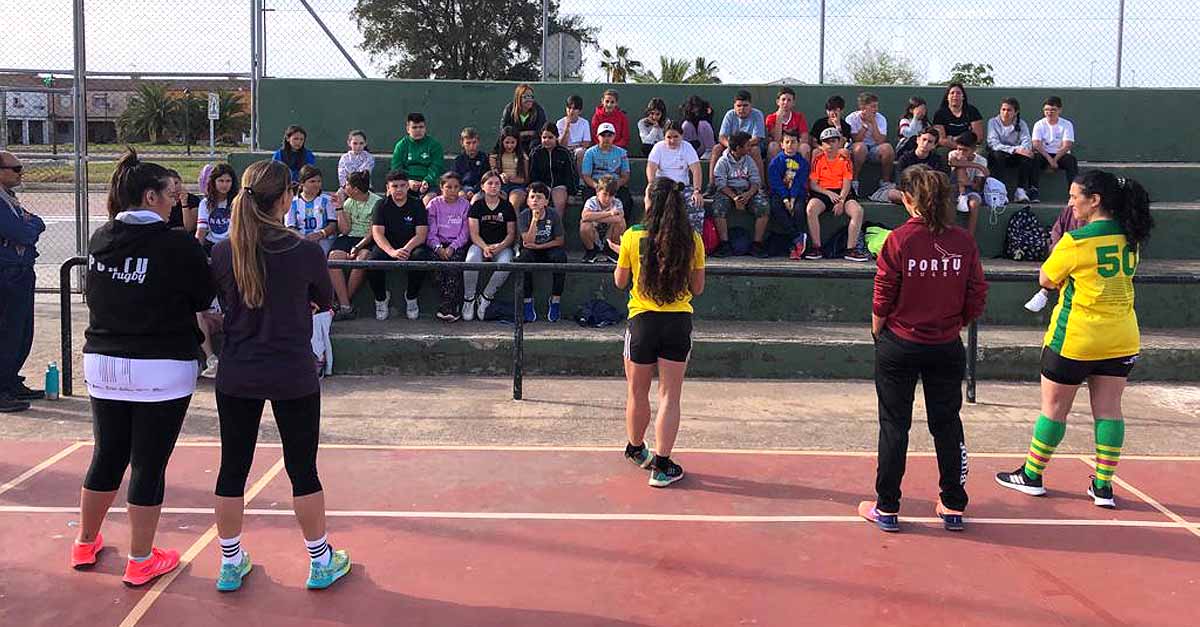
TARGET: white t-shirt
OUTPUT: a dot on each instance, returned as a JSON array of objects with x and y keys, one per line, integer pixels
[
  {"x": 215, "y": 219},
  {"x": 972, "y": 173},
  {"x": 138, "y": 380},
  {"x": 592, "y": 205},
  {"x": 581, "y": 130},
  {"x": 855, "y": 122},
  {"x": 1052, "y": 136},
  {"x": 674, "y": 164}
]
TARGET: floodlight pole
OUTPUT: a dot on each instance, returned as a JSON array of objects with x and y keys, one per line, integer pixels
[{"x": 1120, "y": 38}]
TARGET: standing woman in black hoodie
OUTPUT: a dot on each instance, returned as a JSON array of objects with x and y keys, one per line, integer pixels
[
  {"x": 268, "y": 279},
  {"x": 145, "y": 284}
]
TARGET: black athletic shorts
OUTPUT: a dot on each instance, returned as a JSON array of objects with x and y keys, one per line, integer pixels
[
  {"x": 828, "y": 202},
  {"x": 344, "y": 243},
  {"x": 654, "y": 335},
  {"x": 1065, "y": 371}
]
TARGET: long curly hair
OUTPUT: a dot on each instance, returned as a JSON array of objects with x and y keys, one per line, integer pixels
[
  {"x": 1122, "y": 198},
  {"x": 666, "y": 264},
  {"x": 930, "y": 190}
]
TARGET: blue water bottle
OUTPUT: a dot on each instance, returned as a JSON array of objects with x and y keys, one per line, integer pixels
[{"x": 52, "y": 381}]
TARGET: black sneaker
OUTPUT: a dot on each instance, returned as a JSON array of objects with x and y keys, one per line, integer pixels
[
  {"x": 641, "y": 456},
  {"x": 589, "y": 256},
  {"x": 9, "y": 404},
  {"x": 758, "y": 250},
  {"x": 612, "y": 255},
  {"x": 723, "y": 250},
  {"x": 21, "y": 392},
  {"x": 1101, "y": 497},
  {"x": 1019, "y": 481},
  {"x": 814, "y": 254},
  {"x": 664, "y": 472},
  {"x": 347, "y": 312},
  {"x": 1034, "y": 195},
  {"x": 858, "y": 254}
]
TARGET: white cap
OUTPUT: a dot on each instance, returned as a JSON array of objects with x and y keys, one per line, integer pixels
[
  {"x": 830, "y": 133},
  {"x": 606, "y": 127}
]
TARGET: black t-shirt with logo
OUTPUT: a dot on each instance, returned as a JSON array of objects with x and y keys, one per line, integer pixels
[
  {"x": 493, "y": 223},
  {"x": 957, "y": 125},
  {"x": 910, "y": 158},
  {"x": 400, "y": 222},
  {"x": 822, "y": 123}
]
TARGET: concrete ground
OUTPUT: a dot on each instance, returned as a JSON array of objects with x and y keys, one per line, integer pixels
[{"x": 813, "y": 415}]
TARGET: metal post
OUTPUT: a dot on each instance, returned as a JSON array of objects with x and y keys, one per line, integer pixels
[
  {"x": 337, "y": 44},
  {"x": 3, "y": 119},
  {"x": 546, "y": 36},
  {"x": 1120, "y": 38},
  {"x": 972, "y": 357},
  {"x": 64, "y": 309},
  {"x": 80, "y": 121},
  {"x": 821, "y": 51},
  {"x": 518, "y": 334},
  {"x": 562, "y": 61},
  {"x": 187, "y": 119},
  {"x": 254, "y": 74}
]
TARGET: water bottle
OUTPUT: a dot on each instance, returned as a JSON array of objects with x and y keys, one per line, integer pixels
[{"x": 52, "y": 381}]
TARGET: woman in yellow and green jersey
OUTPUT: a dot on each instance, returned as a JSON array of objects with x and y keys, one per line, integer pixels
[
  {"x": 663, "y": 259},
  {"x": 1093, "y": 334}
]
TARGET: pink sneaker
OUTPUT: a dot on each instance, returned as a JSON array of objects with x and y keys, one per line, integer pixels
[
  {"x": 160, "y": 563},
  {"x": 84, "y": 555}
]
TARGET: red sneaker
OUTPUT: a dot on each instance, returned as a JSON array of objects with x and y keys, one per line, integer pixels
[
  {"x": 160, "y": 563},
  {"x": 84, "y": 555}
]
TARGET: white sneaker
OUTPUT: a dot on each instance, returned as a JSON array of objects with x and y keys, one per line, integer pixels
[
  {"x": 1020, "y": 195},
  {"x": 854, "y": 185},
  {"x": 210, "y": 370},
  {"x": 381, "y": 308},
  {"x": 881, "y": 194},
  {"x": 412, "y": 309},
  {"x": 484, "y": 301},
  {"x": 468, "y": 310}
]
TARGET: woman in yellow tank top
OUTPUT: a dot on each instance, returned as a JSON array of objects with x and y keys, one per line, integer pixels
[
  {"x": 664, "y": 260},
  {"x": 1093, "y": 333}
]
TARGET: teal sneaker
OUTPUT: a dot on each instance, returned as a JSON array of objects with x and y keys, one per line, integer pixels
[
  {"x": 321, "y": 577},
  {"x": 663, "y": 474},
  {"x": 641, "y": 457},
  {"x": 231, "y": 575}
]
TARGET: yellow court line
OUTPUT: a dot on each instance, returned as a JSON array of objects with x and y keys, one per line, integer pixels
[
  {"x": 160, "y": 586},
  {"x": 614, "y": 517},
  {"x": 46, "y": 463},
  {"x": 1195, "y": 529}
]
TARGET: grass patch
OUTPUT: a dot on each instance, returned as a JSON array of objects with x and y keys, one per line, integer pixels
[
  {"x": 101, "y": 172},
  {"x": 198, "y": 149}
]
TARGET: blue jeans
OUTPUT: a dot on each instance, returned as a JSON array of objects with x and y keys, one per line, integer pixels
[{"x": 16, "y": 321}]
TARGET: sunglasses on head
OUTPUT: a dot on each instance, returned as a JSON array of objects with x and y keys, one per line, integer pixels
[{"x": 14, "y": 168}]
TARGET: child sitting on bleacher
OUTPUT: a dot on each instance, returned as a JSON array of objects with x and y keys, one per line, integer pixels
[
  {"x": 492, "y": 225},
  {"x": 312, "y": 214},
  {"x": 421, "y": 156},
  {"x": 574, "y": 130},
  {"x": 448, "y": 238},
  {"x": 602, "y": 222},
  {"x": 357, "y": 159},
  {"x": 829, "y": 180},
  {"x": 739, "y": 187},
  {"x": 553, "y": 165},
  {"x": 787, "y": 176},
  {"x": 471, "y": 163},
  {"x": 969, "y": 172},
  {"x": 1053, "y": 139},
  {"x": 541, "y": 236}
]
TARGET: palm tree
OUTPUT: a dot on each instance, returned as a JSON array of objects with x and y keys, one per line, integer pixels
[
  {"x": 151, "y": 111},
  {"x": 669, "y": 71},
  {"x": 235, "y": 120},
  {"x": 704, "y": 72},
  {"x": 617, "y": 66}
]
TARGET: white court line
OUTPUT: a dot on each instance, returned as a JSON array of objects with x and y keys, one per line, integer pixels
[
  {"x": 1195, "y": 529},
  {"x": 601, "y": 517},
  {"x": 46, "y": 463}
]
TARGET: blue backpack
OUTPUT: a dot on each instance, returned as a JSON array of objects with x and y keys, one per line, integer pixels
[{"x": 597, "y": 314}]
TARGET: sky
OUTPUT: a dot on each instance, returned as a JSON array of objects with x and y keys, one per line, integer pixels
[{"x": 1029, "y": 42}]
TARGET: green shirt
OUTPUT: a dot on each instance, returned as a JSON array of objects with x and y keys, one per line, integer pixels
[
  {"x": 422, "y": 160},
  {"x": 362, "y": 214}
]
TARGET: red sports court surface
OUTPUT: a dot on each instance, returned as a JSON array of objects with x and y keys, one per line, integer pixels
[{"x": 510, "y": 536}]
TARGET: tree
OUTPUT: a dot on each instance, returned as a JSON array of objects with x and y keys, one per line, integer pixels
[
  {"x": 673, "y": 70},
  {"x": 617, "y": 65},
  {"x": 978, "y": 75},
  {"x": 461, "y": 39},
  {"x": 150, "y": 113},
  {"x": 872, "y": 66}
]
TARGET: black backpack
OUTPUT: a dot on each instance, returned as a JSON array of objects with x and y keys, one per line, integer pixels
[{"x": 1026, "y": 239}]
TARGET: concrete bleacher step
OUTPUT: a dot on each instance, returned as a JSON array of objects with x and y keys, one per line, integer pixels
[
  {"x": 1167, "y": 181},
  {"x": 744, "y": 299},
  {"x": 770, "y": 350}
]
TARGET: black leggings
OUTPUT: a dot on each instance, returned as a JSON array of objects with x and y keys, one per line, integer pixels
[
  {"x": 299, "y": 424},
  {"x": 141, "y": 435},
  {"x": 544, "y": 255},
  {"x": 377, "y": 279}
]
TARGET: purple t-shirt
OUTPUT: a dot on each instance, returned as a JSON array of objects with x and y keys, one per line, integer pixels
[{"x": 268, "y": 351}]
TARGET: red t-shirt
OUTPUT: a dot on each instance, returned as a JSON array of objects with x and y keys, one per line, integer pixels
[{"x": 797, "y": 124}]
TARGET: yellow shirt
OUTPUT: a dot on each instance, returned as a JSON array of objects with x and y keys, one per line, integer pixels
[
  {"x": 631, "y": 254},
  {"x": 1094, "y": 318}
]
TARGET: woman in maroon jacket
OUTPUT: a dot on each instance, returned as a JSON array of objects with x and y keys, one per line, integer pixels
[{"x": 929, "y": 285}]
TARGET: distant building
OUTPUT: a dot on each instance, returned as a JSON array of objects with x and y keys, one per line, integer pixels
[{"x": 33, "y": 116}]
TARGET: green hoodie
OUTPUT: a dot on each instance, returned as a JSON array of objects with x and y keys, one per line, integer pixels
[{"x": 421, "y": 159}]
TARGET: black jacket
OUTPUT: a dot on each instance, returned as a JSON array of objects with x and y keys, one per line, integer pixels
[
  {"x": 535, "y": 122},
  {"x": 145, "y": 283},
  {"x": 553, "y": 167}
]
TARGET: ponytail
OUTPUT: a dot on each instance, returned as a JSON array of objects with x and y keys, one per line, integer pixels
[
  {"x": 131, "y": 179},
  {"x": 667, "y": 266},
  {"x": 1122, "y": 198},
  {"x": 930, "y": 191},
  {"x": 263, "y": 183}
]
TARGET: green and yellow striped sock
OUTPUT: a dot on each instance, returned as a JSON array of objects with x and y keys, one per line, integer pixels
[
  {"x": 1046, "y": 436},
  {"x": 1110, "y": 436}
]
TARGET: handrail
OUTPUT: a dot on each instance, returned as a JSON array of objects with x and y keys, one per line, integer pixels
[{"x": 802, "y": 271}]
